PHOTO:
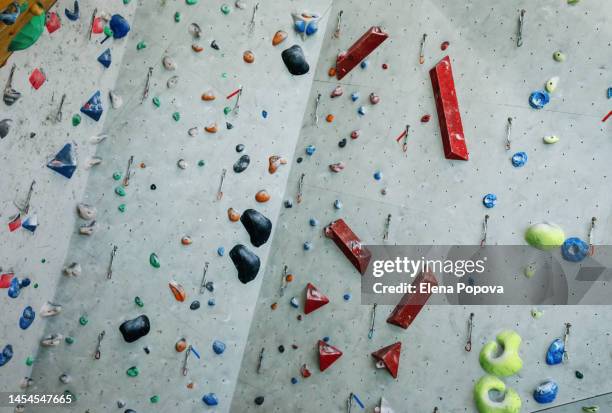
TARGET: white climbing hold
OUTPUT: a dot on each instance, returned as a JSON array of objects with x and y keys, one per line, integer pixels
[{"x": 552, "y": 83}]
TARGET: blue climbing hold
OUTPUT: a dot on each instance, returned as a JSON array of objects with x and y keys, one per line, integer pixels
[
  {"x": 73, "y": 15},
  {"x": 93, "y": 107},
  {"x": 218, "y": 347},
  {"x": 326, "y": 339},
  {"x": 354, "y": 96},
  {"x": 307, "y": 246},
  {"x": 338, "y": 204},
  {"x": 346, "y": 297},
  {"x": 27, "y": 318},
  {"x": 24, "y": 283},
  {"x": 6, "y": 355},
  {"x": 294, "y": 302},
  {"x": 489, "y": 200},
  {"x": 610, "y": 92},
  {"x": 378, "y": 175},
  {"x": 14, "y": 288},
  {"x": 519, "y": 159},
  {"x": 310, "y": 149},
  {"x": 211, "y": 302},
  {"x": 361, "y": 110},
  {"x": 554, "y": 355},
  {"x": 294, "y": 380},
  {"x": 539, "y": 99},
  {"x": 105, "y": 58},
  {"x": 313, "y": 222},
  {"x": 574, "y": 249},
  {"x": 119, "y": 26},
  {"x": 64, "y": 163},
  {"x": 30, "y": 223},
  {"x": 221, "y": 251},
  {"x": 364, "y": 64},
  {"x": 546, "y": 392},
  {"x": 311, "y": 28},
  {"x": 264, "y": 114},
  {"x": 210, "y": 399}
]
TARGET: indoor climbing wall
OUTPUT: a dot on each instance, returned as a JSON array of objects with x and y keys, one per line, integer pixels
[
  {"x": 433, "y": 200},
  {"x": 199, "y": 150},
  {"x": 199, "y": 87}
]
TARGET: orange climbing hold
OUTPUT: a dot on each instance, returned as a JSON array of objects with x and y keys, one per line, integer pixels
[
  {"x": 274, "y": 162},
  {"x": 177, "y": 290},
  {"x": 274, "y": 306},
  {"x": 233, "y": 215},
  {"x": 212, "y": 128},
  {"x": 196, "y": 48},
  {"x": 262, "y": 196},
  {"x": 248, "y": 56},
  {"x": 208, "y": 96},
  {"x": 331, "y": 72},
  {"x": 279, "y": 37},
  {"x": 180, "y": 345},
  {"x": 329, "y": 118},
  {"x": 186, "y": 240}
]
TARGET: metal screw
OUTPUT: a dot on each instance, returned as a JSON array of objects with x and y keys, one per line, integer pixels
[{"x": 468, "y": 345}]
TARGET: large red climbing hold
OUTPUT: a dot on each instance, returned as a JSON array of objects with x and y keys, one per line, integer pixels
[
  {"x": 411, "y": 304},
  {"x": 349, "y": 244},
  {"x": 5, "y": 280},
  {"x": 370, "y": 40},
  {"x": 52, "y": 22},
  {"x": 447, "y": 104},
  {"x": 327, "y": 355},
  {"x": 37, "y": 78},
  {"x": 314, "y": 299},
  {"x": 389, "y": 357}
]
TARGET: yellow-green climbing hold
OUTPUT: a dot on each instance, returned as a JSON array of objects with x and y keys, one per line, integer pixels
[
  {"x": 501, "y": 357},
  {"x": 544, "y": 236},
  {"x": 511, "y": 402}
]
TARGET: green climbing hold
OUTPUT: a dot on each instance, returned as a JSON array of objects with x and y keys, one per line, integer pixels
[
  {"x": 572, "y": 2},
  {"x": 108, "y": 32},
  {"x": 201, "y": 162},
  {"x": 133, "y": 371},
  {"x": 501, "y": 357},
  {"x": 126, "y": 1},
  {"x": 176, "y": 116},
  {"x": 177, "y": 17},
  {"x": 544, "y": 236},
  {"x": 154, "y": 399},
  {"x": 83, "y": 320},
  {"x": 116, "y": 176},
  {"x": 121, "y": 208},
  {"x": 530, "y": 270},
  {"x": 224, "y": 75},
  {"x": 154, "y": 260},
  {"x": 120, "y": 191},
  {"x": 69, "y": 340},
  {"x": 156, "y": 102},
  {"x": 511, "y": 402},
  {"x": 76, "y": 119},
  {"x": 590, "y": 409},
  {"x": 29, "y": 34},
  {"x": 227, "y": 110},
  {"x": 138, "y": 301},
  {"x": 71, "y": 394},
  {"x": 559, "y": 56},
  {"x": 43, "y": 260},
  {"x": 191, "y": 2},
  {"x": 35, "y": 285},
  {"x": 29, "y": 361},
  {"x": 141, "y": 45},
  {"x": 225, "y": 9},
  {"x": 535, "y": 313},
  {"x": 579, "y": 375}
]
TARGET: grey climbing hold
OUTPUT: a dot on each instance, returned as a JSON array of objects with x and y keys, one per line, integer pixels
[
  {"x": 87, "y": 229},
  {"x": 5, "y": 127},
  {"x": 257, "y": 225},
  {"x": 242, "y": 163},
  {"x": 65, "y": 378},
  {"x": 246, "y": 262},
  {"x": 169, "y": 63},
  {"x": 172, "y": 82},
  {"x": 86, "y": 211},
  {"x": 115, "y": 100},
  {"x": 73, "y": 270},
  {"x": 295, "y": 60},
  {"x": 132, "y": 330}
]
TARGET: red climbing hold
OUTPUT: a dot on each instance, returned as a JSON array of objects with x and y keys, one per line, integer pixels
[
  {"x": 389, "y": 357},
  {"x": 411, "y": 304},
  {"x": 314, "y": 299},
  {"x": 349, "y": 244},
  {"x": 449, "y": 116},
  {"x": 327, "y": 355},
  {"x": 370, "y": 40},
  {"x": 53, "y": 22},
  {"x": 5, "y": 280},
  {"x": 37, "y": 78}
]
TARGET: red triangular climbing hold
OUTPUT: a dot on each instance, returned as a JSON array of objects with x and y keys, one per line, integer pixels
[
  {"x": 314, "y": 299},
  {"x": 327, "y": 355},
  {"x": 389, "y": 356}
]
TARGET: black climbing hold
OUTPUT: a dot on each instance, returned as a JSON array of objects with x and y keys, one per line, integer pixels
[
  {"x": 579, "y": 375},
  {"x": 228, "y": 125},
  {"x": 239, "y": 148},
  {"x": 342, "y": 143},
  {"x": 259, "y": 400},
  {"x": 257, "y": 225},
  {"x": 129, "y": 411},
  {"x": 214, "y": 45},
  {"x": 299, "y": 159},
  {"x": 147, "y": 349},
  {"x": 132, "y": 330},
  {"x": 153, "y": 187},
  {"x": 194, "y": 305},
  {"x": 242, "y": 163},
  {"x": 295, "y": 60},
  {"x": 281, "y": 349},
  {"x": 246, "y": 262}
]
